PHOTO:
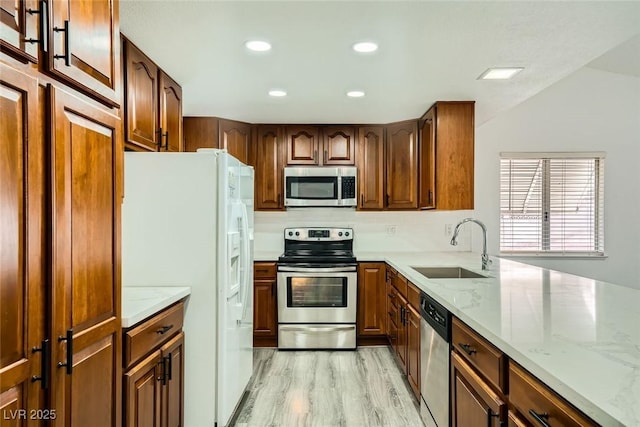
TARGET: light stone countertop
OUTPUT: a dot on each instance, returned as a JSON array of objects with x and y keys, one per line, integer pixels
[
  {"x": 140, "y": 302},
  {"x": 579, "y": 336}
]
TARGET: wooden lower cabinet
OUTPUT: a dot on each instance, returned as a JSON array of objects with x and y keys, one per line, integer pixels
[
  {"x": 372, "y": 301},
  {"x": 473, "y": 401},
  {"x": 154, "y": 371},
  {"x": 413, "y": 349},
  {"x": 265, "y": 314},
  {"x": 514, "y": 420}
]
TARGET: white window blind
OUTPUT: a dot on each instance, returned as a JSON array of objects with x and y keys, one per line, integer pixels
[{"x": 552, "y": 203}]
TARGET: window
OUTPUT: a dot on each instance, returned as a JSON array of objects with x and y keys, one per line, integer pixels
[{"x": 552, "y": 204}]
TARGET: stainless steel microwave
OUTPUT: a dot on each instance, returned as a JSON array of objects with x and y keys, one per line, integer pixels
[{"x": 320, "y": 186}]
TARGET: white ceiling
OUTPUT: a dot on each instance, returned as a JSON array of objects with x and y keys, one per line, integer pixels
[{"x": 429, "y": 51}]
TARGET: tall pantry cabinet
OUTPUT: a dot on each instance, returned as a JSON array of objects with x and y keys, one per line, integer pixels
[{"x": 60, "y": 191}]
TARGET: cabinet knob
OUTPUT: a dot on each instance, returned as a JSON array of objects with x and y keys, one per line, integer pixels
[{"x": 163, "y": 330}]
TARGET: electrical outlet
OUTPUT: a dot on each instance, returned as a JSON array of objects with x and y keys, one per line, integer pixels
[
  {"x": 391, "y": 229},
  {"x": 448, "y": 229}
]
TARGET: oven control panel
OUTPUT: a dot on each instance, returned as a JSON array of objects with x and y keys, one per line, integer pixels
[{"x": 316, "y": 234}]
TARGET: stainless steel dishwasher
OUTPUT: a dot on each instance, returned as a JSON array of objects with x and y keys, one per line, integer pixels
[{"x": 435, "y": 334}]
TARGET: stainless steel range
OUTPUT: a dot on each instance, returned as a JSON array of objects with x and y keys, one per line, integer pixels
[{"x": 317, "y": 286}]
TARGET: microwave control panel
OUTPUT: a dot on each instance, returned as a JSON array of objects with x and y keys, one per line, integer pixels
[{"x": 348, "y": 187}]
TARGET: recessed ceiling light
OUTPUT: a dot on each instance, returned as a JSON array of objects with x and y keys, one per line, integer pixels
[
  {"x": 365, "y": 47},
  {"x": 258, "y": 45},
  {"x": 355, "y": 93},
  {"x": 277, "y": 93},
  {"x": 500, "y": 73}
]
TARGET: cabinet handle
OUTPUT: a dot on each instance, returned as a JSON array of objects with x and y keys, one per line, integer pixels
[
  {"x": 490, "y": 416},
  {"x": 163, "y": 373},
  {"x": 540, "y": 418},
  {"x": 159, "y": 143},
  {"x": 467, "y": 348},
  {"x": 325, "y": 157},
  {"x": 315, "y": 155},
  {"x": 45, "y": 358},
  {"x": 169, "y": 359},
  {"x": 392, "y": 296},
  {"x": 361, "y": 200},
  {"x": 166, "y": 140},
  {"x": 41, "y": 16},
  {"x": 402, "y": 315},
  {"x": 68, "y": 363},
  {"x": 430, "y": 197},
  {"x": 164, "y": 329},
  {"x": 67, "y": 52}
]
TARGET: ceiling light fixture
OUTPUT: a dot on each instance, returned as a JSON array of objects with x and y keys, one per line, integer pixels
[
  {"x": 278, "y": 93},
  {"x": 258, "y": 45},
  {"x": 365, "y": 47},
  {"x": 355, "y": 94},
  {"x": 502, "y": 73}
]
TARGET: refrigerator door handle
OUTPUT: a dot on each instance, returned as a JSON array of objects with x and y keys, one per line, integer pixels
[{"x": 245, "y": 286}]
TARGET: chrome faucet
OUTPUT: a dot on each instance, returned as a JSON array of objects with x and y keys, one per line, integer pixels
[{"x": 485, "y": 258}]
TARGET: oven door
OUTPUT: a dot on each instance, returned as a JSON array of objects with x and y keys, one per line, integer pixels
[{"x": 317, "y": 295}]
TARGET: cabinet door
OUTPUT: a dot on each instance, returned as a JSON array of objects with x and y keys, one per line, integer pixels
[
  {"x": 402, "y": 165},
  {"x": 19, "y": 28},
  {"x": 269, "y": 159},
  {"x": 170, "y": 114},
  {"x": 173, "y": 389},
  {"x": 455, "y": 155},
  {"x": 372, "y": 298},
  {"x": 427, "y": 166},
  {"x": 142, "y": 398},
  {"x": 84, "y": 48},
  {"x": 413, "y": 349},
  {"x": 339, "y": 145},
  {"x": 302, "y": 145},
  {"x": 401, "y": 350},
  {"x": 86, "y": 161},
  {"x": 22, "y": 269},
  {"x": 264, "y": 308},
  {"x": 200, "y": 132},
  {"x": 235, "y": 137},
  {"x": 474, "y": 403},
  {"x": 141, "y": 87},
  {"x": 371, "y": 167},
  {"x": 514, "y": 420}
]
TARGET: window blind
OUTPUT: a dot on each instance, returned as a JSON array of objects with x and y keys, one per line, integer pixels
[{"x": 552, "y": 204}]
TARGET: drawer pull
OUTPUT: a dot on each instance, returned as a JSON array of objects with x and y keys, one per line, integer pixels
[
  {"x": 467, "y": 348},
  {"x": 45, "y": 359},
  {"x": 540, "y": 418},
  {"x": 68, "y": 363},
  {"x": 164, "y": 330},
  {"x": 391, "y": 296}
]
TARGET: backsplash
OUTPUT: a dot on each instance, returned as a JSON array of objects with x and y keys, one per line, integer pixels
[{"x": 373, "y": 231}]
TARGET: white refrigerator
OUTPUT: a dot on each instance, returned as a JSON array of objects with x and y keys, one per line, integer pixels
[{"x": 187, "y": 220}]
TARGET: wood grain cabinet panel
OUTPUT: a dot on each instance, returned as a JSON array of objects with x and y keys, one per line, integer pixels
[
  {"x": 235, "y": 137},
  {"x": 19, "y": 28},
  {"x": 141, "y": 92},
  {"x": 200, "y": 132},
  {"x": 371, "y": 162},
  {"x": 372, "y": 299},
  {"x": 427, "y": 161},
  {"x": 22, "y": 238},
  {"x": 170, "y": 110},
  {"x": 269, "y": 163},
  {"x": 84, "y": 47},
  {"x": 413, "y": 349},
  {"x": 338, "y": 145},
  {"x": 142, "y": 393},
  {"x": 402, "y": 165},
  {"x": 265, "y": 309},
  {"x": 302, "y": 145},
  {"x": 86, "y": 162},
  {"x": 173, "y": 392}
]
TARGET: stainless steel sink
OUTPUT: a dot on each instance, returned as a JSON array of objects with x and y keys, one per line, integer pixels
[{"x": 447, "y": 273}]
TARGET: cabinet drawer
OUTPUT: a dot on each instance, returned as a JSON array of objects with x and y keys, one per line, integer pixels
[
  {"x": 392, "y": 296},
  {"x": 413, "y": 296},
  {"x": 142, "y": 339},
  {"x": 401, "y": 284},
  {"x": 490, "y": 361},
  {"x": 264, "y": 270},
  {"x": 534, "y": 400}
]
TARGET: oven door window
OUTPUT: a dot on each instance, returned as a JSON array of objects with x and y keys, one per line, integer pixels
[
  {"x": 317, "y": 292},
  {"x": 312, "y": 187}
]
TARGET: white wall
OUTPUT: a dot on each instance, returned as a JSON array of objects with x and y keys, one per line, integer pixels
[
  {"x": 414, "y": 231},
  {"x": 590, "y": 110}
]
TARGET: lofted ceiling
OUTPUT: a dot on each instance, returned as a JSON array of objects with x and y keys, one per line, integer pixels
[{"x": 428, "y": 51}]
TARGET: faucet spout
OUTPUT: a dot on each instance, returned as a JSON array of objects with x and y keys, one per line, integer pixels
[{"x": 454, "y": 240}]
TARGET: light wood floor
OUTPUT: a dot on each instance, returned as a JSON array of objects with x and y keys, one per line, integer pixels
[{"x": 328, "y": 388}]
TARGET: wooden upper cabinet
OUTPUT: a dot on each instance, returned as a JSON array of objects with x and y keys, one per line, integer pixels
[
  {"x": 141, "y": 92},
  {"x": 235, "y": 137},
  {"x": 302, "y": 145},
  {"x": 170, "y": 114},
  {"x": 402, "y": 165},
  {"x": 22, "y": 237},
  {"x": 84, "y": 48},
  {"x": 269, "y": 164},
  {"x": 200, "y": 132},
  {"x": 86, "y": 193},
  {"x": 427, "y": 160},
  {"x": 19, "y": 21},
  {"x": 454, "y": 166},
  {"x": 338, "y": 145},
  {"x": 371, "y": 167}
]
